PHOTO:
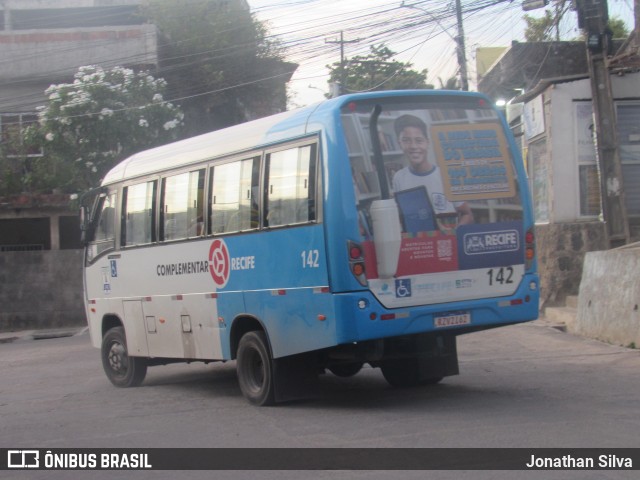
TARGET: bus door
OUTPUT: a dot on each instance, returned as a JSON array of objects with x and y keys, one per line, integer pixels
[{"x": 98, "y": 224}]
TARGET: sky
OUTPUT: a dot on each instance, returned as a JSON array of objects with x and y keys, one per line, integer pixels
[{"x": 421, "y": 33}]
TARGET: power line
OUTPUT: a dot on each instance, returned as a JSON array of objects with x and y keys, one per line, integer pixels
[{"x": 304, "y": 39}]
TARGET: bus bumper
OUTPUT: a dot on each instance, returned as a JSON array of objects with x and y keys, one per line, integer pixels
[{"x": 365, "y": 318}]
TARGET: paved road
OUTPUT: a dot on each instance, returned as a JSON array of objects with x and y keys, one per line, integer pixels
[{"x": 521, "y": 386}]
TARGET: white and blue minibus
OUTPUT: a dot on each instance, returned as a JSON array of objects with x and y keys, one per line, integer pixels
[{"x": 371, "y": 229}]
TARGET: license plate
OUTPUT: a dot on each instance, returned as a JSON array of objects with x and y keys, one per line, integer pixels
[{"x": 452, "y": 319}]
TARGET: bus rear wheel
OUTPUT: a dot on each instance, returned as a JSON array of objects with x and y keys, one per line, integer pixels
[
  {"x": 121, "y": 369},
  {"x": 405, "y": 372},
  {"x": 255, "y": 369}
]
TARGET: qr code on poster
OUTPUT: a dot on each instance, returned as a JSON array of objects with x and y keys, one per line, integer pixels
[{"x": 445, "y": 248}]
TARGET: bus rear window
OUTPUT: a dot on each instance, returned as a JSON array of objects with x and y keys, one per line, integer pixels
[
  {"x": 461, "y": 147},
  {"x": 446, "y": 166}
]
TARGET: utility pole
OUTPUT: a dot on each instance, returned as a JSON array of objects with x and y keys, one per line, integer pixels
[
  {"x": 459, "y": 39},
  {"x": 343, "y": 60},
  {"x": 461, "y": 50},
  {"x": 593, "y": 16}
]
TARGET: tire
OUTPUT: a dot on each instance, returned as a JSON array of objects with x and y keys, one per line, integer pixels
[
  {"x": 405, "y": 373},
  {"x": 121, "y": 369},
  {"x": 346, "y": 369},
  {"x": 255, "y": 369}
]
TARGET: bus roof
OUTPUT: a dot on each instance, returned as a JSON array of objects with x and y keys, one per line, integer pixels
[
  {"x": 244, "y": 137},
  {"x": 218, "y": 143}
]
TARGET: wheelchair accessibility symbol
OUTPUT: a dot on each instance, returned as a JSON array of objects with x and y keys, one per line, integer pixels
[{"x": 403, "y": 288}]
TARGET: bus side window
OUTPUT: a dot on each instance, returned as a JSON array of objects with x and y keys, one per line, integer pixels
[
  {"x": 182, "y": 203},
  {"x": 234, "y": 206},
  {"x": 138, "y": 215},
  {"x": 290, "y": 195},
  {"x": 104, "y": 235}
]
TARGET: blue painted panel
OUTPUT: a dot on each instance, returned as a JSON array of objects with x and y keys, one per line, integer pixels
[
  {"x": 229, "y": 304},
  {"x": 284, "y": 258},
  {"x": 292, "y": 319},
  {"x": 490, "y": 245},
  {"x": 484, "y": 314}
]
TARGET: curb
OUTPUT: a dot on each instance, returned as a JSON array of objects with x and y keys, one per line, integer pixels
[{"x": 10, "y": 337}]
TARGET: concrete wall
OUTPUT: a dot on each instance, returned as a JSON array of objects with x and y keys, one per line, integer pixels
[
  {"x": 609, "y": 301},
  {"x": 561, "y": 251},
  {"x": 33, "y": 53},
  {"x": 41, "y": 289}
]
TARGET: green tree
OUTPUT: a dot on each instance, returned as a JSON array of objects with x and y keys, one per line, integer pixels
[
  {"x": 218, "y": 59},
  {"x": 377, "y": 71},
  {"x": 89, "y": 125},
  {"x": 618, "y": 27},
  {"x": 547, "y": 27},
  {"x": 540, "y": 29},
  {"x": 452, "y": 83},
  {"x": 15, "y": 162}
]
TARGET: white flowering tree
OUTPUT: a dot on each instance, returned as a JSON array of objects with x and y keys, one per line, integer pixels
[{"x": 101, "y": 118}]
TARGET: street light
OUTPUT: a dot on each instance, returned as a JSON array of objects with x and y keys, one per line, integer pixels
[{"x": 459, "y": 39}]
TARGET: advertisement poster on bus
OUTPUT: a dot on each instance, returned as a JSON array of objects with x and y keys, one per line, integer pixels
[
  {"x": 474, "y": 161},
  {"x": 453, "y": 180}
]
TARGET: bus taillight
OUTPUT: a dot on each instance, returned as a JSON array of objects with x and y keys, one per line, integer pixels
[
  {"x": 530, "y": 247},
  {"x": 356, "y": 262}
]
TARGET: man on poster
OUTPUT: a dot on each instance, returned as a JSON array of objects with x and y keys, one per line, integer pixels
[{"x": 412, "y": 136}]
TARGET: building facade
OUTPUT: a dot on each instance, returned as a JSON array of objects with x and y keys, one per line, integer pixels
[
  {"x": 44, "y": 42},
  {"x": 550, "y": 109}
]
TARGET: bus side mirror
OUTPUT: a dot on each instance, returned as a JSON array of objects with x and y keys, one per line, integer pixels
[
  {"x": 90, "y": 205},
  {"x": 84, "y": 218}
]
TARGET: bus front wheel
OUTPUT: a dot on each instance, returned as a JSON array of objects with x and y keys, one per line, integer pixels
[
  {"x": 121, "y": 369},
  {"x": 255, "y": 369}
]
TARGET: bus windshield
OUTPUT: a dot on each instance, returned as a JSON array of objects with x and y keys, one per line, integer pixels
[{"x": 454, "y": 214}]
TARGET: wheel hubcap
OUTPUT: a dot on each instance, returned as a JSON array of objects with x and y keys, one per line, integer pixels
[{"x": 118, "y": 360}]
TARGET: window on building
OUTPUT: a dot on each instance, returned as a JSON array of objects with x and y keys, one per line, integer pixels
[
  {"x": 138, "y": 216},
  {"x": 25, "y": 234},
  {"x": 12, "y": 127},
  {"x": 182, "y": 200},
  {"x": 538, "y": 164},
  {"x": 290, "y": 186},
  {"x": 588, "y": 178},
  {"x": 234, "y": 205},
  {"x": 628, "y": 125},
  {"x": 589, "y": 190},
  {"x": 74, "y": 17}
]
